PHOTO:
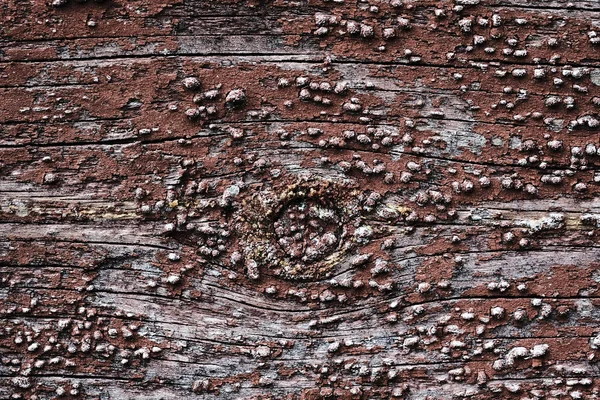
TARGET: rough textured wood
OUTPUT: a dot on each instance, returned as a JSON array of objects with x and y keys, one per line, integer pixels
[{"x": 302, "y": 199}]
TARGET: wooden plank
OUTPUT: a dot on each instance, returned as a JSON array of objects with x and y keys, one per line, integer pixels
[{"x": 299, "y": 199}]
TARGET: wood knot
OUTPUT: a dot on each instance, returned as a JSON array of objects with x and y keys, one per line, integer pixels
[{"x": 296, "y": 234}]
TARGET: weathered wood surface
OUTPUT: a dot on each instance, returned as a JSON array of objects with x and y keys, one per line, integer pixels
[{"x": 351, "y": 199}]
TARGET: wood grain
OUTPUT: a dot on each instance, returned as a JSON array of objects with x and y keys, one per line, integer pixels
[{"x": 309, "y": 199}]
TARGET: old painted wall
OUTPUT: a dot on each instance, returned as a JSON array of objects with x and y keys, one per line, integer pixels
[{"x": 299, "y": 199}]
